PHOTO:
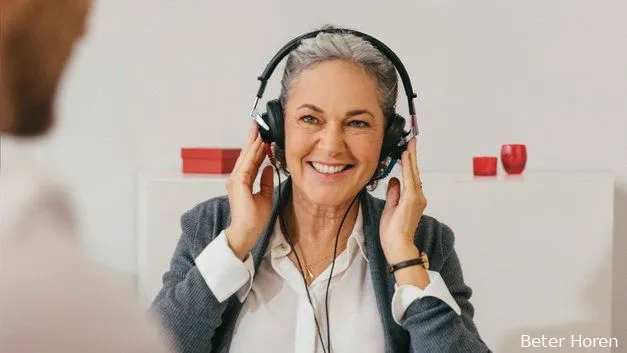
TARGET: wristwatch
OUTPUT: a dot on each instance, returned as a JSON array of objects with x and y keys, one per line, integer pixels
[{"x": 422, "y": 260}]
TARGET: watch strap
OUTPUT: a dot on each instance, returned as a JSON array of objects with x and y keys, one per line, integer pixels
[{"x": 422, "y": 260}]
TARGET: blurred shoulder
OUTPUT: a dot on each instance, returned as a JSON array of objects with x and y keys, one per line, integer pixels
[{"x": 33, "y": 200}]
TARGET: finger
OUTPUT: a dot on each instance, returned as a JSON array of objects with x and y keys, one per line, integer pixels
[
  {"x": 266, "y": 183},
  {"x": 393, "y": 194},
  {"x": 411, "y": 147},
  {"x": 248, "y": 168},
  {"x": 257, "y": 158},
  {"x": 238, "y": 161},
  {"x": 408, "y": 179},
  {"x": 260, "y": 155},
  {"x": 252, "y": 135},
  {"x": 252, "y": 152}
]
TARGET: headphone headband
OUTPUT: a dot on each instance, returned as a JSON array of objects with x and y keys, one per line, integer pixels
[{"x": 387, "y": 52}]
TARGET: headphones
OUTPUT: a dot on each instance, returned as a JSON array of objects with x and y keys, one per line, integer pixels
[{"x": 395, "y": 139}]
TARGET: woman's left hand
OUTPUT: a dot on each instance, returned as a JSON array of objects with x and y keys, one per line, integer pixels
[{"x": 403, "y": 210}]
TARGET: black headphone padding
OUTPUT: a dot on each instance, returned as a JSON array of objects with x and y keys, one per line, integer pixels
[
  {"x": 393, "y": 134},
  {"x": 274, "y": 119}
]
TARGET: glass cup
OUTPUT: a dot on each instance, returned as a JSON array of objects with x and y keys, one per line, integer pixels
[{"x": 514, "y": 158}]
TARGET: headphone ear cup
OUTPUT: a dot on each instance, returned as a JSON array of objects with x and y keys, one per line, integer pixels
[
  {"x": 393, "y": 135},
  {"x": 266, "y": 135},
  {"x": 274, "y": 112}
]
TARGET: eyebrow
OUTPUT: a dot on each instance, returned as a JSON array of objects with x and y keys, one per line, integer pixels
[
  {"x": 312, "y": 107},
  {"x": 354, "y": 112}
]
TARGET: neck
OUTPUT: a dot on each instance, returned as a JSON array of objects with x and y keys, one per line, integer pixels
[{"x": 314, "y": 225}]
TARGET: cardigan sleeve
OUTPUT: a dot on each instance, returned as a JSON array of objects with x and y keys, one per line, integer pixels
[
  {"x": 432, "y": 324},
  {"x": 188, "y": 310}
]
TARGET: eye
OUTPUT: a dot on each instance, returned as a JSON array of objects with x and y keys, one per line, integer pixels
[
  {"x": 358, "y": 123},
  {"x": 309, "y": 119}
]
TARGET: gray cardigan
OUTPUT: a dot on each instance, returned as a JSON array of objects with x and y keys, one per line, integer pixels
[{"x": 196, "y": 322}]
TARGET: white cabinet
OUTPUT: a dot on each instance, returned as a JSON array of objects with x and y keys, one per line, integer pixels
[{"x": 536, "y": 250}]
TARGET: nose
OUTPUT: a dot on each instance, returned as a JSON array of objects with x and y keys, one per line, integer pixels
[{"x": 332, "y": 140}]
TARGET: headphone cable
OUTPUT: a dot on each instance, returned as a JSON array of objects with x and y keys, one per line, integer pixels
[
  {"x": 289, "y": 240},
  {"x": 326, "y": 299}
]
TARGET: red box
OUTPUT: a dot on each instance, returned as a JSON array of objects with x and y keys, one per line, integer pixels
[
  {"x": 209, "y": 160},
  {"x": 484, "y": 165}
]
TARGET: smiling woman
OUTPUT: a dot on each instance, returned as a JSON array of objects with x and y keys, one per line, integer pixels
[
  {"x": 333, "y": 132},
  {"x": 238, "y": 277},
  {"x": 371, "y": 86}
]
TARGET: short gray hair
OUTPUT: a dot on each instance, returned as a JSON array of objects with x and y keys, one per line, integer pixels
[{"x": 339, "y": 46}]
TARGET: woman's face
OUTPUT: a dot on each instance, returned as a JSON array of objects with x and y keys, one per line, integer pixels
[{"x": 333, "y": 132}]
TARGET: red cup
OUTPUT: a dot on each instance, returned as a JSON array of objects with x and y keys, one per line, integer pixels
[
  {"x": 484, "y": 165},
  {"x": 514, "y": 158}
]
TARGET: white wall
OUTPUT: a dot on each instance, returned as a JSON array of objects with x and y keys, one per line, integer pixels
[{"x": 155, "y": 75}]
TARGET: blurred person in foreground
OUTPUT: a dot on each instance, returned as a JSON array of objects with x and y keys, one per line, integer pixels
[{"x": 52, "y": 298}]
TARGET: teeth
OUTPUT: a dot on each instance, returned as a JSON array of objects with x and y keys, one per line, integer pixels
[{"x": 327, "y": 169}]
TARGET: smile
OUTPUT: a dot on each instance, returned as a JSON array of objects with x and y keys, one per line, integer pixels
[{"x": 330, "y": 169}]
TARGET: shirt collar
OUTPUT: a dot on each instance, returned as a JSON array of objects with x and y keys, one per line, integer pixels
[{"x": 279, "y": 246}]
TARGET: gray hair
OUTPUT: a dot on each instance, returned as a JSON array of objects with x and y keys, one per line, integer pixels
[{"x": 336, "y": 46}]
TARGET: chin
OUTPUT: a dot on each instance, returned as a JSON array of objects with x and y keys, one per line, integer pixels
[
  {"x": 327, "y": 198},
  {"x": 33, "y": 117},
  {"x": 329, "y": 194},
  {"x": 32, "y": 127}
]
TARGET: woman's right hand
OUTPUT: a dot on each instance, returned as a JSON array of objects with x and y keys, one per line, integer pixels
[{"x": 249, "y": 212}]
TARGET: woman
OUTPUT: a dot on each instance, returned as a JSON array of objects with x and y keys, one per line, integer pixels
[{"x": 242, "y": 282}]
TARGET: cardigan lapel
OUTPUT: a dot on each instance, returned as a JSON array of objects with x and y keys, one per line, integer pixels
[
  {"x": 261, "y": 245},
  {"x": 396, "y": 338}
]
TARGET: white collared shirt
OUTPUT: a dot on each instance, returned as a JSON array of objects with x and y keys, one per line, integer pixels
[{"x": 276, "y": 309}]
